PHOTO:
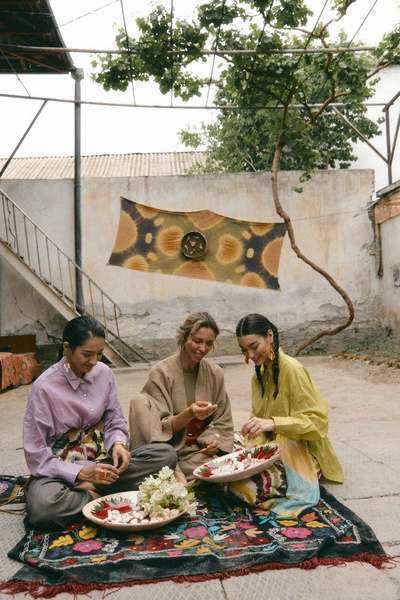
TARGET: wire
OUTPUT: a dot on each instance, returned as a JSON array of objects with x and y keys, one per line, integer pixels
[
  {"x": 216, "y": 46},
  {"x": 336, "y": 64},
  {"x": 130, "y": 55},
  {"x": 15, "y": 72},
  {"x": 87, "y": 14},
  {"x": 308, "y": 41}
]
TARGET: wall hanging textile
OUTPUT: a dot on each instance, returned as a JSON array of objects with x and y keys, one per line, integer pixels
[{"x": 200, "y": 244}]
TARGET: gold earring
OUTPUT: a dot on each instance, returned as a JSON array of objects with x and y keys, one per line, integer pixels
[
  {"x": 66, "y": 364},
  {"x": 246, "y": 360},
  {"x": 271, "y": 354}
]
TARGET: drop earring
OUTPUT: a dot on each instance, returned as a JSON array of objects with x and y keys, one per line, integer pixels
[
  {"x": 271, "y": 354},
  {"x": 66, "y": 363},
  {"x": 246, "y": 360}
]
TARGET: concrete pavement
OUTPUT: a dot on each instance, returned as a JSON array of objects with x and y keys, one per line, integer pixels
[{"x": 365, "y": 430}]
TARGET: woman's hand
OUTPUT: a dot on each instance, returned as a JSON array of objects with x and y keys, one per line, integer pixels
[
  {"x": 201, "y": 410},
  {"x": 255, "y": 426},
  {"x": 198, "y": 410},
  {"x": 121, "y": 457},
  {"x": 98, "y": 473},
  {"x": 211, "y": 447}
]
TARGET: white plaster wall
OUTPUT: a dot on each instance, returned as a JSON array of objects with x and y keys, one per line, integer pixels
[
  {"x": 154, "y": 305},
  {"x": 51, "y": 205},
  {"x": 326, "y": 230},
  {"x": 386, "y": 89},
  {"x": 390, "y": 296}
]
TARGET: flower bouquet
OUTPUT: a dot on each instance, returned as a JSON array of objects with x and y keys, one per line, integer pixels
[{"x": 164, "y": 496}]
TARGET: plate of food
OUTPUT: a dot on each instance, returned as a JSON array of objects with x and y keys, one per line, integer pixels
[
  {"x": 159, "y": 500},
  {"x": 239, "y": 465},
  {"x": 123, "y": 511}
]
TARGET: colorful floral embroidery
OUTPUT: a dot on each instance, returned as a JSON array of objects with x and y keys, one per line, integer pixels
[{"x": 225, "y": 535}]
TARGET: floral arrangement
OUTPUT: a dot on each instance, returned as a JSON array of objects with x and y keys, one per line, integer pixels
[
  {"x": 164, "y": 493},
  {"x": 159, "y": 498},
  {"x": 243, "y": 460}
]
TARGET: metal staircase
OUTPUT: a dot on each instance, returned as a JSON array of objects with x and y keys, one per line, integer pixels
[{"x": 43, "y": 264}]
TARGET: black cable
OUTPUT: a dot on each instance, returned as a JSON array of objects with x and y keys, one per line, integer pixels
[
  {"x": 87, "y": 14},
  {"x": 128, "y": 48},
  {"x": 215, "y": 48}
]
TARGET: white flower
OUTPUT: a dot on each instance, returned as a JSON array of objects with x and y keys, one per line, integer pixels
[
  {"x": 164, "y": 497},
  {"x": 165, "y": 473}
]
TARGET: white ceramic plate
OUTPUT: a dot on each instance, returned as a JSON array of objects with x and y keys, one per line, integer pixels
[
  {"x": 203, "y": 471},
  {"x": 132, "y": 496}
]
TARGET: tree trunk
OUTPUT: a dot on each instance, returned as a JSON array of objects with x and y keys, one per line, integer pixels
[{"x": 289, "y": 228}]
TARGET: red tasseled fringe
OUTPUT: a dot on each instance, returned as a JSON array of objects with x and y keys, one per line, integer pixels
[{"x": 37, "y": 590}]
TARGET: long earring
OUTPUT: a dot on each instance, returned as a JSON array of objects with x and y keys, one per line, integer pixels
[
  {"x": 271, "y": 354},
  {"x": 246, "y": 360},
  {"x": 66, "y": 363}
]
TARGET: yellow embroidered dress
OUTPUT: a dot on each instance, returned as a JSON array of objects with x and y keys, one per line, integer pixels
[{"x": 300, "y": 413}]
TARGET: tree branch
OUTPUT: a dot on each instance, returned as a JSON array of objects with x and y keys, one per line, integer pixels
[{"x": 295, "y": 248}]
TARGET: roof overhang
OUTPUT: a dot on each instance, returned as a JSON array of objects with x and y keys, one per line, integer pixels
[{"x": 30, "y": 23}]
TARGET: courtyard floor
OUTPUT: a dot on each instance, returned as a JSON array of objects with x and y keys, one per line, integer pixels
[{"x": 364, "y": 404}]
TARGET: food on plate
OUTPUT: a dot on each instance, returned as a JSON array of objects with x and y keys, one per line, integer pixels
[
  {"x": 240, "y": 461},
  {"x": 159, "y": 498},
  {"x": 124, "y": 511}
]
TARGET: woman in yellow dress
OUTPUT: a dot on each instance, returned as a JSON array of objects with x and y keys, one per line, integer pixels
[{"x": 287, "y": 407}]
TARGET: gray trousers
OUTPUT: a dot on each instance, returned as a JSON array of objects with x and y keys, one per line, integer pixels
[{"x": 53, "y": 503}]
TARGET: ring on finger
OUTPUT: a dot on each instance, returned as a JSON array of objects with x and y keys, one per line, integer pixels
[{"x": 103, "y": 474}]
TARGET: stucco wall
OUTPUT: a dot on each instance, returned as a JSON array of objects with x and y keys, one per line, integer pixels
[{"x": 154, "y": 305}]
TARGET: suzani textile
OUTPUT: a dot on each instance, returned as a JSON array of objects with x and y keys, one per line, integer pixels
[
  {"x": 200, "y": 244},
  {"x": 224, "y": 539}
]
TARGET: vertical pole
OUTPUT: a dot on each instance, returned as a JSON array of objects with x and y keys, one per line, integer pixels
[
  {"x": 388, "y": 144},
  {"x": 78, "y": 75}
]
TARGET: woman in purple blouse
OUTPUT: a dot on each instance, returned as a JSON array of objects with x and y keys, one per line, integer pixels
[{"x": 75, "y": 437}]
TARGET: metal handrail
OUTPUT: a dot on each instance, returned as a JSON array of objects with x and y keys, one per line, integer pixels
[{"x": 57, "y": 270}]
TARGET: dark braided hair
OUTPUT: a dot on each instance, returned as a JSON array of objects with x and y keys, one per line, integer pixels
[{"x": 256, "y": 324}]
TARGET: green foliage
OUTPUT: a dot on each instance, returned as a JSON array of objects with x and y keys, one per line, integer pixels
[
  {"x": 292, "y": 86},
  {"x": 389, "y": 49}
]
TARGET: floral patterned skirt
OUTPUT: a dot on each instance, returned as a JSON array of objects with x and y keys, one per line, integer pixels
[{"x": 288, "y": 485}]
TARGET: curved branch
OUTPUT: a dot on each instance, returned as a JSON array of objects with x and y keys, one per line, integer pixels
[{"x": 289, "y": 228}]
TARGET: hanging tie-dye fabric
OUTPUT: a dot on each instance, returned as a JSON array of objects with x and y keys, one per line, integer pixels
[{"x": 199, "y": 244}]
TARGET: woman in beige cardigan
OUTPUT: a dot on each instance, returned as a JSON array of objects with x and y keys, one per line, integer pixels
[{"x": 184, "y": 401}]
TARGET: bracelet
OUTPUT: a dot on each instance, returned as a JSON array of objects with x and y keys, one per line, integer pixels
[{"x": 121, "y": 444}]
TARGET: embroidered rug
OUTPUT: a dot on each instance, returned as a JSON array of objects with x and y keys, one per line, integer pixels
[{"x": 225, "y": 538}]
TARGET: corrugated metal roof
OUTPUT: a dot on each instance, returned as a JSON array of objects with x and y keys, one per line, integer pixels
[{"x": 105, "y": 165}]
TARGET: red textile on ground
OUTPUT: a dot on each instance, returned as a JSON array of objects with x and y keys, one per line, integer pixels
[{"x": 18, "y": 369}]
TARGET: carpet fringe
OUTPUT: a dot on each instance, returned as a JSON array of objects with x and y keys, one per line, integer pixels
[{"x": 37, "y": 589}]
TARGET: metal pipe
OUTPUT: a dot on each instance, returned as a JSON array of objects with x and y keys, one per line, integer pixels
[
  {"x": 388, "y": 149},
  {"x": 78, "y": 75},
  {"x": 177, "y": 107},
  {"x": 360, "y": 135},
  {"x": 395, "y": 139},
  {"x": 22, "y": 139},
  {"x": 58, "y": 50}
]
